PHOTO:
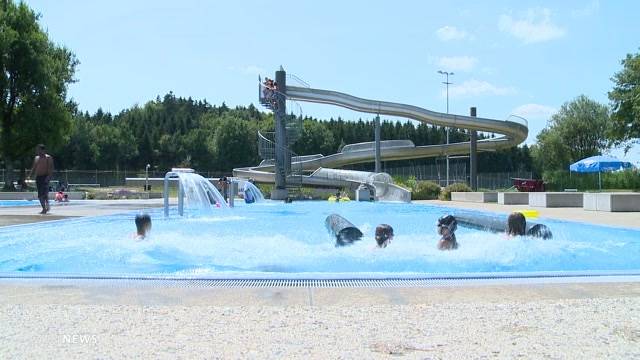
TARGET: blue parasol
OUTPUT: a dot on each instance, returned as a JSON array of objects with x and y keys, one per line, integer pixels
[{"x": 599, "y": 164}]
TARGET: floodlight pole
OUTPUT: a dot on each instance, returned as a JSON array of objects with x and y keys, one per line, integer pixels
[{"x": 447, "y": 83}]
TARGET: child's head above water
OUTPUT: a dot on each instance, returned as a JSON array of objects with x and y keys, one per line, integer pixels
[
  {"x": 143, "y": 224},
  {"x": 516, "y": 224},
  {"x": 447, "y": 226},
  {"x": 384, "y": 235}
]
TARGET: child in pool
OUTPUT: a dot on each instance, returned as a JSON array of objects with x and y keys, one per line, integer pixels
[
  {"x": 447, "y": 226},
  {"x": 143, "y": 226},
  {"x": 384, "y": 235},
  {"x": 516, "y": 224}
]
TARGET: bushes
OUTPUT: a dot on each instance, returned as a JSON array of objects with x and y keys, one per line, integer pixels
[
  {"x": 425, "y": 190},
  {"x": 420, "y": 189},
  {"x": 561, "y": 179},
  {"x": 457, "y": 187},
  {"x": 265, "y": 189}
]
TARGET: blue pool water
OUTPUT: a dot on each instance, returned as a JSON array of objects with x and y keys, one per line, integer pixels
[
  {"x": 18, "y": 202},
  {"x": 272, "y": 239}
]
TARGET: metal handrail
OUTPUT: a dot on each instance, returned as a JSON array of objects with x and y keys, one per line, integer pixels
[{"x": 298, "y": 79}]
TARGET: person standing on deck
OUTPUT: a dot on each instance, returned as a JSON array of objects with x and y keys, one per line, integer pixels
[{"x": 43, "y": 169}]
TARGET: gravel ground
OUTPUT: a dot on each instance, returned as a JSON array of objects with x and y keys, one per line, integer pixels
[{"x": 556, "y": 329}]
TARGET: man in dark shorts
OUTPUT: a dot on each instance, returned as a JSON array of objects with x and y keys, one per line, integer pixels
[{"x": 43, "y": 169}]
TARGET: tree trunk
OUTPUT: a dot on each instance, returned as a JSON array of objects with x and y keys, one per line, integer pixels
[
  {"x": 23, "y": 174},
  {"x": 8, "y": 174}
]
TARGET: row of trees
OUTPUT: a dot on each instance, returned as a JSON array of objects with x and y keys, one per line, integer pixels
[{"x": 173, "y": 131}]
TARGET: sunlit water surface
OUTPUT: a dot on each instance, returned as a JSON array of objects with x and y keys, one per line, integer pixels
[{"x": 273, "y": 239}]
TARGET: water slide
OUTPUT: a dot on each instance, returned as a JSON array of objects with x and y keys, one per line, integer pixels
[{"x": 513, "y": 132}]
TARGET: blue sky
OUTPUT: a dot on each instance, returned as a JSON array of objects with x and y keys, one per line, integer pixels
[{"x": 524, "y": 57}]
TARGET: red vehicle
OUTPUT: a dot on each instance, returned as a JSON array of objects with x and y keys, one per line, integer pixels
[{"x": 528, "y": 185}]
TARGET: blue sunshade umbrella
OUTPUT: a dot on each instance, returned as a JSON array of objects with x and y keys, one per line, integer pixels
[{"x": 599, "y": 164}]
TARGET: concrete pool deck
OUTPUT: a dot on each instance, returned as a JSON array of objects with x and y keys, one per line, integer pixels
[
  {"x": 14, "y": 215},
  {"x": 103, "y": 319}
]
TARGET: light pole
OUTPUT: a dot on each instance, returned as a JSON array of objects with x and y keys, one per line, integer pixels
[
  {"x": 446, "y": 82},
  {"x": 146, "y": 179}
]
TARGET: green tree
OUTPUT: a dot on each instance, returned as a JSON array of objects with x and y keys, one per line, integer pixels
[
  {"x": 625, "y": 102},
  {"x": 316, "y": 139},
  {"x": 33, "y": 80},
  {"x": 234, "y": 144},
  {"x": 576, "y": 131}
]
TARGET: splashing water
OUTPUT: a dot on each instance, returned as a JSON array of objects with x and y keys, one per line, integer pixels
[
  {"x": 200, "y": 196},
  {"x": 252, "y": 193}
]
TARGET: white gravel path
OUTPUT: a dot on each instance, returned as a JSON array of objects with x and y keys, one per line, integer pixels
[{"x": 555, "y": 329}]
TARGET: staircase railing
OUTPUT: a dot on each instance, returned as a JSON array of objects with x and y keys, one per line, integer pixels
[{"x": 267, "y": 150}]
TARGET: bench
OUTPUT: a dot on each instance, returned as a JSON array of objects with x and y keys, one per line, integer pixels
[
  {"x": 556, "y": 199},
  {"x": 476, "y": 197},
  {"x": 513, "y": 198},
  {"x": 612, "y": 202}
]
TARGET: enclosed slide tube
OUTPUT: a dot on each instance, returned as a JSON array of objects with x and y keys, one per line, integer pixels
[{"x": 499, "y": 224}]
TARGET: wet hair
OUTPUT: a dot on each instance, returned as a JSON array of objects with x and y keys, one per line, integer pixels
[
  {"x": 143, "y": 221},
  {"x": 383, "y": 233},
  {"x": 449, "y": 241},
  {"x": 516, "y": 224},
  {"x": 448, "y": 221},
  {"x": 540, "y": 231}
]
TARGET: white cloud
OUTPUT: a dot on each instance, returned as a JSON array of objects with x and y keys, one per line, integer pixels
[
  {"x": 457, "y": 63},
  {"x": 534, "y": 111},
  {"x": 535, "y": 27},
  {"x": 588, "y": 10},
  {"x": 476, "y": 88},
  {"x": 448, "y": 33}
]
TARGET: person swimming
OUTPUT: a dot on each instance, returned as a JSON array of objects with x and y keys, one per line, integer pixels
[
  {"x": 143, "y": 226},
  {"x": 384, "y": 235},
  {"x": 447, "y": 226},
  {"x": 516, "y": 224}
]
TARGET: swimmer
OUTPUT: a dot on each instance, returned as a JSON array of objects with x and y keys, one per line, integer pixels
[
  {"x": 143, "y": 226},
  {"x": 384, "y": 235},
  {"x": 447, "y": 226},
  {"x": 516, "y": 224}
]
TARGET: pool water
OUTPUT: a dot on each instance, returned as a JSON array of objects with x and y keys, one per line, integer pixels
[
  {"x": 18, "y": 202},
  {"x": 273, "y": 239}
]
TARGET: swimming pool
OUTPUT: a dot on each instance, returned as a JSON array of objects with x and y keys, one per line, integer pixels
[
  {"x": 277, "y": 240},
  {"x": 18, "y": 202}
]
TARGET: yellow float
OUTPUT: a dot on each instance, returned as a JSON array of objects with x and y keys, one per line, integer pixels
[{"x": 529, "y": 214}]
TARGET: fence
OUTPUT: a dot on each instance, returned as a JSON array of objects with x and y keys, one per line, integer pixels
[
  {"x": 103, "y": 177},
  {"x": 435, "y": 172},
  {"x": 457, "y": 173}
]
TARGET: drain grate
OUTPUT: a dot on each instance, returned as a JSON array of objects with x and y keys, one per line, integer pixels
[{"x": 118, "y": 281}]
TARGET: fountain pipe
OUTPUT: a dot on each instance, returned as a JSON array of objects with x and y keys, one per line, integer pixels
[{"x": 171, "y": 174}]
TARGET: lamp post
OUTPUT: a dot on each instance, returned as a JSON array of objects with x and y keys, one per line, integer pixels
[
  {"x": 446, "y": 82},
  {"x": 146, "y": 179}
]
